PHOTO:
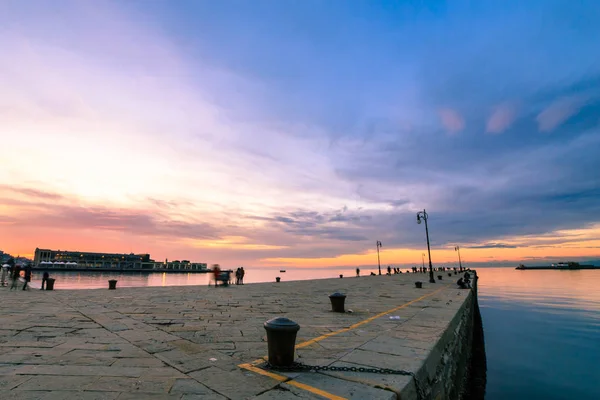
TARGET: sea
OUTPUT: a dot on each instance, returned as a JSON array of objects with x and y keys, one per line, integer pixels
[{"x": 542, "y": 328}]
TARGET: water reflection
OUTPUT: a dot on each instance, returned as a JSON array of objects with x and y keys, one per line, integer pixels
[
  {"x": 541, "y": 331},
  {"x": 96, "y": 280}
]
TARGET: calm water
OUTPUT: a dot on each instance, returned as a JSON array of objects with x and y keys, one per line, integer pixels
[
  {"x": 542, "y": 333},
  {"x": 542, "y": 328}
]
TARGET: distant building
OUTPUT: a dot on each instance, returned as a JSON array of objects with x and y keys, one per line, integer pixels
[{"x": 86, "y": 259}]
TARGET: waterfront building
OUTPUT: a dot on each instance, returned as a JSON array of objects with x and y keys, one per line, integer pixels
[{"x": 84, "y": 259}]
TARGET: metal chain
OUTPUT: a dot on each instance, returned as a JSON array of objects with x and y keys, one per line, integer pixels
[{"x": 300, "y": 367}]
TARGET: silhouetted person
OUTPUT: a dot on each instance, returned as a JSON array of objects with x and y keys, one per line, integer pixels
[
  {"x": 242, "y": 273},
  {"x": 16, "y": 272},
  {"x": 216, "y": 273},
  {"x": 357, "y": 272},
  {"x": 45, "y": 278},
  {"x": 27, "y": 276},
  {"x": 389, "y": 269},
  {"x": 462, "y": 283},
  {"x": 5, "y": 275}
]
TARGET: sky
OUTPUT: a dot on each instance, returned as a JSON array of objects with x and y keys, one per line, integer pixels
[{"x": 298, "y": 133}]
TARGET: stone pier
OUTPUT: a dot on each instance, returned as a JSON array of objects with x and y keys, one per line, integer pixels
[{"x": 209, "y": 343}]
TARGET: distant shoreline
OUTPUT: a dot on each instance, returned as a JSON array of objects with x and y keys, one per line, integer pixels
[{"x": 196, "y": 271}]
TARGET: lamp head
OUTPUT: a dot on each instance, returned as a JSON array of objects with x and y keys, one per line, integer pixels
[{"x": 418, "y": 219}]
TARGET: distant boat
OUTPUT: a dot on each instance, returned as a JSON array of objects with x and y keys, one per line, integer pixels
[
  {"x": 282, "y": 270},
  {"x": 571, "y": 265}
]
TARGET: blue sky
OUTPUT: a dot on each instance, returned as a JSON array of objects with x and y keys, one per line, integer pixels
[{"x": 307, "y": 129}]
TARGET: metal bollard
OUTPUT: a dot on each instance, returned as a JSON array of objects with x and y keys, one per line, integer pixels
[
  {"x": 341, "y": 276},
  {"x": 337, "y": 302},
  {"x": 439, "y": 277},
  {"x": 281, "y": 340},
  {"x": 112, "y": 284},
  {"x": 278, "y": 279},
  {"x": 418, "y": 284},
  {"x": 449, "y": 274},
  {"x": 50, "y": 284}
]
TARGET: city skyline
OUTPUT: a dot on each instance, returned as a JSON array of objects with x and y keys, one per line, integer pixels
[{"x": 269, "y": 133}]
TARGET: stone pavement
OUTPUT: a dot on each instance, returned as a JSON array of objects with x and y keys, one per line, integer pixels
[{"x": 204, "y": 342}]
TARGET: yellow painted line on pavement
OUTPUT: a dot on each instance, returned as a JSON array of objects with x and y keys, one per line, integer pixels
[
  {"x": 261, "y": 371},
  {"x": 289, "y": 381},
  {"x": 366, "y": 321},
  {"x": 252, "y": 366}
]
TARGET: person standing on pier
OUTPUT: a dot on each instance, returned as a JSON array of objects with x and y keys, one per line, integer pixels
[
  {"x": 16, "y": 272},
  {"x": 357, "y": 272},
  {"x": 4, "y": 277},
  {"x": 242, "y": 273},
  {"x": 45, "y": 278},
  {"x": 216, "y": 273}
]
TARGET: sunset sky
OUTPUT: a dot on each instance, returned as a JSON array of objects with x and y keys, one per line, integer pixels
[{"x": 298, "y": 133}]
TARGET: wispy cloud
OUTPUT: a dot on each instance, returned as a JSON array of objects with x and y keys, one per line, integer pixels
[
  {"x": 451, "y": 120},
  {"x": 492, "y": 246},
  {"x": 558, "y": 112},
  {"x": 501, "y": 118}
]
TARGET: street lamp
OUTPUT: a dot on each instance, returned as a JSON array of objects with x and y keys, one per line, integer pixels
[
  {"x": 457, "y": 248},
  {"x": 378, "y": 244},
  {"x": 422, "y": 215}
]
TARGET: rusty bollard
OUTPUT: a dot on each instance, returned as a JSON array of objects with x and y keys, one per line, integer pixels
[
  {"x": 440, "y": 277},
  {"x": 337, "y": 302},
  {"x": 281, "y": 340},
  {"x": 449, "y": 274},
  {"x": 278, "y": 279},
  {"x": 341, "y": 276},
  {"x": 418, "y": 284},
  {"x": 112, "y": 284}
]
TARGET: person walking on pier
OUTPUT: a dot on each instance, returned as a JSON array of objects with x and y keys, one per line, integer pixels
[
  {"x": 27, "y": 276},
  {"x": 357, "y": 272},
  {"x": 242, "y": 273}
]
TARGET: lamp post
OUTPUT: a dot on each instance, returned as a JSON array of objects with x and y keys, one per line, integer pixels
[
  {"x": 422, "y": 215},
  {"x": 457, "y": 248},
  {"x": 378, "y": 244}
]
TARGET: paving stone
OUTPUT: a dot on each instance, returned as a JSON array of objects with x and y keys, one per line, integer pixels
[
  {"x": 193, "y": 387},
  {"x": 82, "y": 395},
  {"x": 287, "y": 392},
  {"x": 138, "y": 362},
  {"x": 150, "y": 396},
  {"x": 133, "y": 385},
  {"x": 233, "y": 384},
  {"x": 9, "y": 382},
  {"x": 344, "y": 388},
  {"x": 74, "y": 370},
  {"x": 45, "y": 382}
]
